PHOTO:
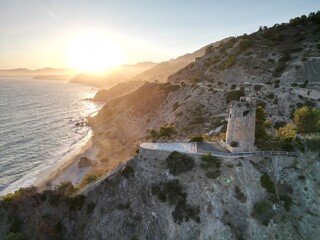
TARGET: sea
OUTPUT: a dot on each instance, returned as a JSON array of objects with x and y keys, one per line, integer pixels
[{"x": 38, "y": 126}]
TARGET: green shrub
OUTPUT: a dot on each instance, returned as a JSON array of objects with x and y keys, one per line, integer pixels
[
  {"x": 211, "y": 164},
  {"x": 16, "y": 225},
  {"x": 227, "y": 45},
  {"x": 208, "y": 49},
  {"x": 210, "y": 158},
  {"x": 234, "y": 95},
  {"x": 127, "y": 172},
  {"x": 58, "y": 227},
  {"x": 91, "y": 178},
  {"x": 214, "y": 174},
  {"x": 14, "y": 236},
  {"x": 183, "y": 212},
  {"x": 285, "y": 58},
  {"x": 287, "y": 133},
  {"x": 299, "y": 105},
  {"x": 167, "y": 131},
  {"x": 157, "y": 190},
  {"x": 260, "y": 131},
  {"x": 287, "y": 201},
  {"x": 277, "y": 84},
  {"x": 179, "y": 163},
  {"x": 171, "y": 191},
  {"x": 76, "y": 203},
  {"x": 19, "y": 195},
  {"x": 244, "y": 44},
  {"x": 65, "y": 189},
  {"x": 304, "y": 84},
  {"x": 124, "y": 206},
  {"x": 267, "y": 183},
  {"x": 54, "y": 199},
  {"x": 91, "y": 206},
  {"x": 279, "y": 69},
  {"x": 312, "y": 143},
  {"x": 260, "y": 208},
  {"x": 307, "y": 119},
  {"x": 164, "y": 131},
  {"x": 196, "y": 139},
  {"x": 257, "y": 87},
  {"x": 229, "y": 62},
  {"x": 153, "y": 134},
  {"x": 270, "y": 96},
  {"x": 239, "y": 195}
]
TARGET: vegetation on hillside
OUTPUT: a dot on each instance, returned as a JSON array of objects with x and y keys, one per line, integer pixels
[
  {"x": 307, "y": 119},
  {"x": 166, "y": 131},
  {"x": 179, "y": 163}
]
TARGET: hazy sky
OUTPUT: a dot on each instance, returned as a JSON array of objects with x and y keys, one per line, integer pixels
[{"x": 38, "y": 33}]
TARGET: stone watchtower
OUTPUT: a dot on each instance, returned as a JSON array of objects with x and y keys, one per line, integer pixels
[{"x": 241, "y": 125}]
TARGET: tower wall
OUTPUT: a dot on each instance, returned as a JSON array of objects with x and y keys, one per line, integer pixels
[{"x": 241, "y": 125}]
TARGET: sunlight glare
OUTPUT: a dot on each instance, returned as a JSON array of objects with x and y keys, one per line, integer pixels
[{"x": 94, "y": 53}]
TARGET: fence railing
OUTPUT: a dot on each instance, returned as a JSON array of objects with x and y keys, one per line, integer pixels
[
  {"x": 248, "y": 154},
  {"x": 238, "y": 154},
  {"x": 92, "y": 185},
  {"x": 308, "y": 134},
  {"x": 213, "y": 153}
]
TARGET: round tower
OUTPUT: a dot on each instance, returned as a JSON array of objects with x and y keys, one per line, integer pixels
[{"x": 241, "y": 125}]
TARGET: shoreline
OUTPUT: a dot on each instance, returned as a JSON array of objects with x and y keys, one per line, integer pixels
[
  {"x": 51, "y": 163},
  {"x": 58, "y": 171},
  {"x": 49, "y": 175}
]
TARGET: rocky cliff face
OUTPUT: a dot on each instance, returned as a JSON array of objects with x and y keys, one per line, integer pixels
[
  {"x": 145, "y": 201},
  {"x": 116, "y": 91}
]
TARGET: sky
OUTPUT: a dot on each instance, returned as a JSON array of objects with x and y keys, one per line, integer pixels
[{"x": 40, "y": 33}]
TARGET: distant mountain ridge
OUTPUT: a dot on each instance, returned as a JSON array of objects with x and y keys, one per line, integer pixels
[
  {"x": 43, "y": 73},
  {"x": 108, "y": 79}
]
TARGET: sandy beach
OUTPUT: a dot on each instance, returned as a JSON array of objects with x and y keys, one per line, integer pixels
[{"x": 67, "y": 169}]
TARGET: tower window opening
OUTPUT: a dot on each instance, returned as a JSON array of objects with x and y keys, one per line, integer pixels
[{"x": 245, "y": 113}]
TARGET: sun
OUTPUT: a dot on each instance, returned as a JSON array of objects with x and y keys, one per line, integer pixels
[{"x": 94, "y": 52}]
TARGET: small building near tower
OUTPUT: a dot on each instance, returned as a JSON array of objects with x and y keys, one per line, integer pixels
[{"x": 241, "y": 125}]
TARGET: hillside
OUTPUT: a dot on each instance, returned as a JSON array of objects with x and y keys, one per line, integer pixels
[
  {"x": 278, "y": 65},
  {"x": 145, "y": 201},
  {"x": 116, "y": 91},
  {"x": 111, "y": 78},
  {"x": 196, "y": 98},
  {"x": 163, "y": 70},
  {"x": 155, "y": 73}
]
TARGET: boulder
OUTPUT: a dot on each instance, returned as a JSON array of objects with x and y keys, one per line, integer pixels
[{"x": 86, "y": 162}]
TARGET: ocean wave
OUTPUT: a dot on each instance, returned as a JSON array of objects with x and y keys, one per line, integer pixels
[{"x": 38, "y": 132}]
